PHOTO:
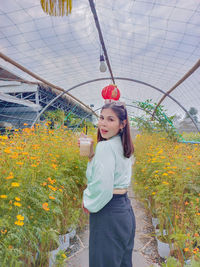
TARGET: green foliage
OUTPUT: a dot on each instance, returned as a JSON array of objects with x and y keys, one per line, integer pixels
[
  {"x": 166, "y": 178},
  {"x": 42, "y": 178},
  {"x": 171, "y": 262},
  {"x": 161, "y": 123},
  {"x": 55, "y": 117}
]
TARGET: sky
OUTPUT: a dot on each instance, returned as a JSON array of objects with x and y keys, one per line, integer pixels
[{"x": 151, "y": 41}]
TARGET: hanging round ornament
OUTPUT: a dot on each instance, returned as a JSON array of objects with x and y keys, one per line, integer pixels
[{"x": 110, "y": 93}]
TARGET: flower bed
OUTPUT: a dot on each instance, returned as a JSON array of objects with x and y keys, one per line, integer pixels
[
  {"x": 167, "y": 179},
  {"x": 41, "y": 184}
]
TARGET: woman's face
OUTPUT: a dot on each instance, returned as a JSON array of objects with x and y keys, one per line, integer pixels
[{"x": 109, "y": 124}]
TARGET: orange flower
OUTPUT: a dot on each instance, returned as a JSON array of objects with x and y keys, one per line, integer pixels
[
  {"x": 186, "y": 249},
  {"x": 195, "y": 250},
  {"x": 51, "y": 197},
  {"x": 196, "y": 234},
  {"x": 17, "y": 204},
  {"x": 52, "y": 188},
  {"x": 45, "y": 206},
  {"x": 33, "y": 165},
  {"x": 186, "y": 203},
  {"x": 54, "y": 166},
  {"x": 171, "y": 172},
  {"x": 20, "y": 223}
]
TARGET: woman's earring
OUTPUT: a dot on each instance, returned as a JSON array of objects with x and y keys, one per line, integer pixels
[{"x": 121, "y": 131}]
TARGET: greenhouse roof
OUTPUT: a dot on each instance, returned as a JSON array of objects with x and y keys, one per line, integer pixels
[{"x": 149, "y": 45}]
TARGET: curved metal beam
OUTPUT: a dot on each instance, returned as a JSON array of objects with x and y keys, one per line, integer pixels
[
  {"x": 66, "y": 91},
  {"x": 193, "y": 69},
  {"x": 117, "y": 78}
]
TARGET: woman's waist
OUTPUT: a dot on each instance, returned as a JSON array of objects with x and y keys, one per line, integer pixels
[{"x": 120, "y": 190}]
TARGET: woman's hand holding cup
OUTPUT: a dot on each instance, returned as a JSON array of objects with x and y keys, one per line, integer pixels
[{"x": 86, "y": 146}]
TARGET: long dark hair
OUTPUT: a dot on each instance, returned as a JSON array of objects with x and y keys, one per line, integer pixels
[{"x": 121, "y": 113}]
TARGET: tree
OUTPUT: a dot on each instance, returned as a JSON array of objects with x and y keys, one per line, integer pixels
[{"x": 193, "y": 112}]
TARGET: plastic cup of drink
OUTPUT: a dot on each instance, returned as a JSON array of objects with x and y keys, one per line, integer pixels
[{"x": 85, "y": 144}]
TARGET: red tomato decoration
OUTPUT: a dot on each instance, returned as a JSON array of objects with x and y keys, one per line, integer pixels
[{"x": 111, "y": 92}]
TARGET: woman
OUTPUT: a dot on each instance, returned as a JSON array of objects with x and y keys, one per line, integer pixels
[{"x": 109, "y": 171}]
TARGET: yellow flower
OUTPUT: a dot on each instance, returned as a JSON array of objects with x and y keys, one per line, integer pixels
[
  {"x": 153, "y": 193},
  {"x": 7, "y": 150},
  {"x": 3, "y": 196},
  {"x": 19, "y": 163},
  {"x": 45, "y": 206},
  {"x": 165, "y": 174},
  {"x": 20, "y": 223},
  {"x": 33, "y": 157},
  {"x": 165, "y": 183},
  {"x": 15, "y": 184},
  {"x": 64, "y": 256},
  {"x": 186, "y": 249},
  {"x": 4, "y": 137},
  {"x": 17, "y": 199},
  {"x": 20, "y": 217},
  {"x": 17, "y": 204}
]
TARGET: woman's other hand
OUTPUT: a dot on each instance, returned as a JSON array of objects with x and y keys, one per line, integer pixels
[{"x": 84, "y": 209}]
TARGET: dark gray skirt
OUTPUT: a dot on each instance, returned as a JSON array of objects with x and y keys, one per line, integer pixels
[{"x": 112, "y": 232}]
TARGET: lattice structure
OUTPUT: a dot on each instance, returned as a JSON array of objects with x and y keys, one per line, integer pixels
[{"x": 149, "y": 44}]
